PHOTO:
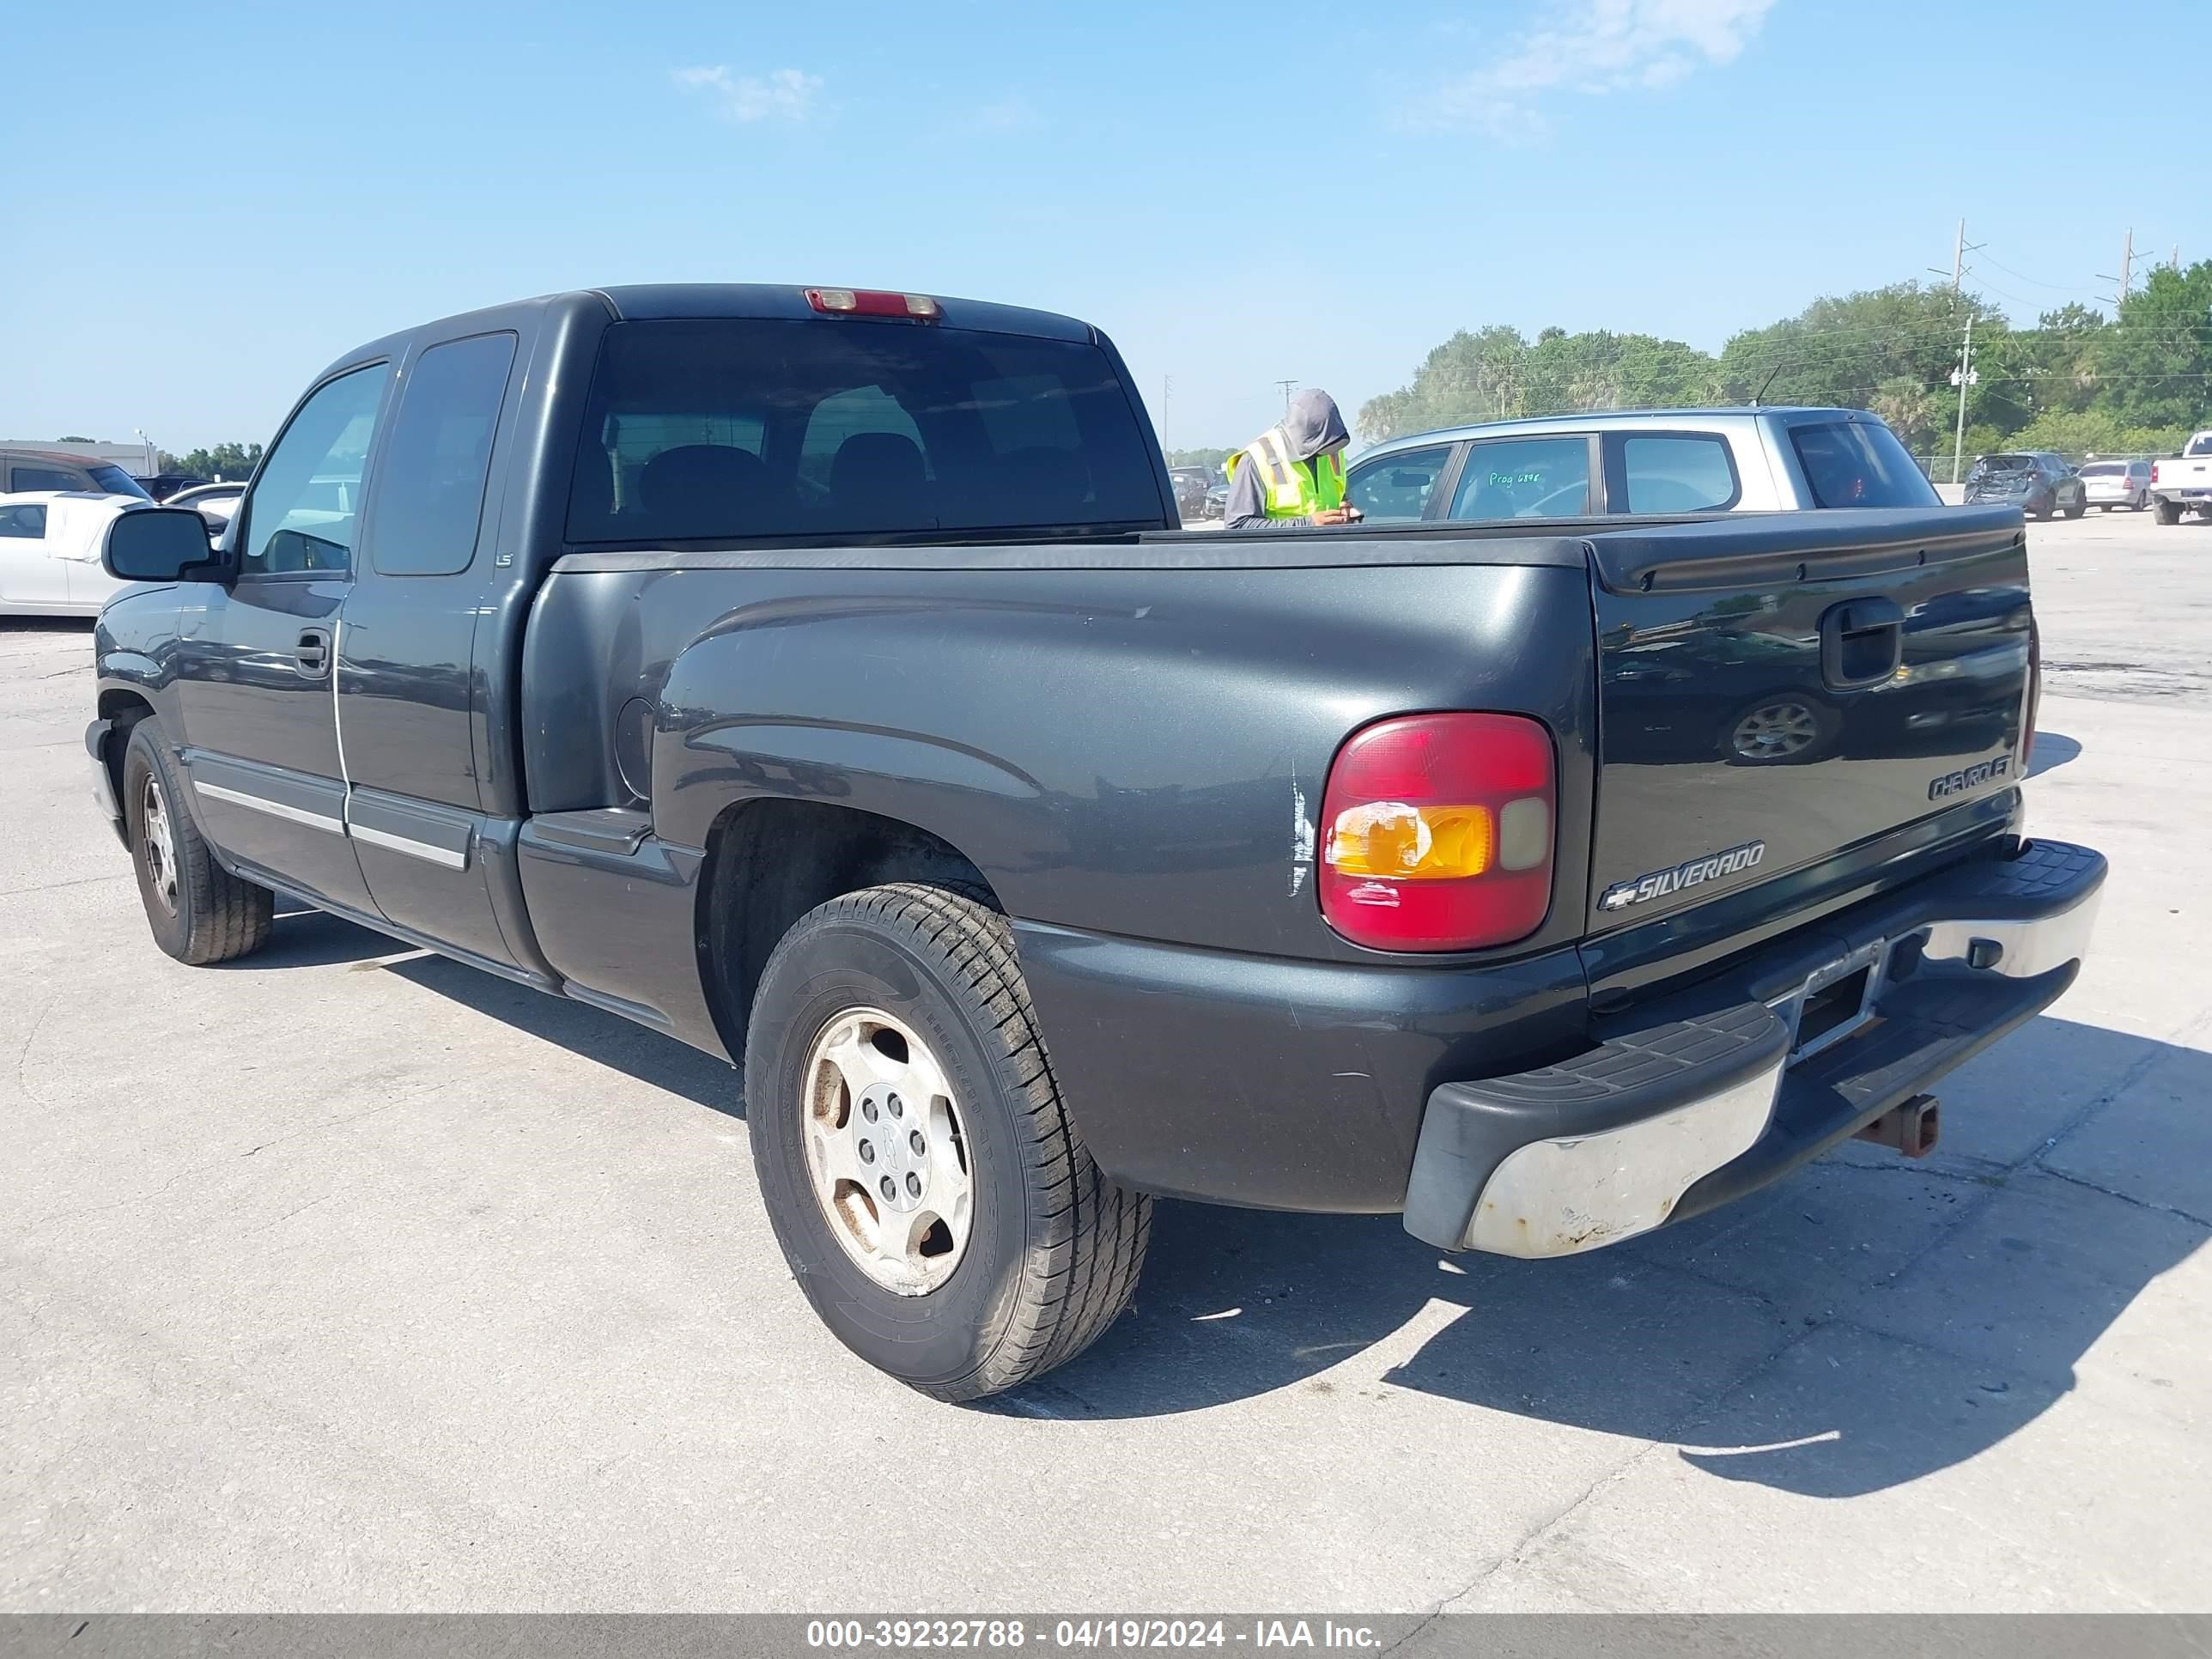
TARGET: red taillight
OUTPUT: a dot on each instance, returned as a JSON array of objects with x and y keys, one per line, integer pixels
[
  {"x": 1437, "y": 832},
  {"x": 2154, "y": 471},
  {"x": 874, "y": 302}
]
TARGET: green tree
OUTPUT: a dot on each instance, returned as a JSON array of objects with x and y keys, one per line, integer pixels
[
  {"x": 1913, "y": 412},
  {"x": 227, "y": 461},
  {"x": 1496, "y": 374},
  {"x": 1211, "y": 459},
  {"x": 2154, "y": 366}
]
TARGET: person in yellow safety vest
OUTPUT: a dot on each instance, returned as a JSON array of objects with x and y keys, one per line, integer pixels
[{"x": 1293, "y": 475}]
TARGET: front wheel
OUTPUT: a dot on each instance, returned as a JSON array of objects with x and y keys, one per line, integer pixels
[
  {"x": 199, "y": 911},
  {"x": 2077, "y": 509},
  {"x": 929, "y": 1190}
]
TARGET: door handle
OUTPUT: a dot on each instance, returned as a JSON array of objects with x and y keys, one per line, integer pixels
[
  {"x": 313, "y": 652},
  {"x": 1862, "y": 642}
]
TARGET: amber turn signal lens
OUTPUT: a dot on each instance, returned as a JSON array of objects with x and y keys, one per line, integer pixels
[{"x": 1411, "y": 843}]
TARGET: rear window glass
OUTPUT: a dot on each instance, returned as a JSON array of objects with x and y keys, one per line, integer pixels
[
  {"x": 737, "y": 429},
  {"x": 116, "y": 481},
  {"x": 1859, "y": 464},
  {"x": 2102, "y": 470}
]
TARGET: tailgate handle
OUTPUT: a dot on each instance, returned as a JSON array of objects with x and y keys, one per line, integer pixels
[{"x": 1862, "y": 642}]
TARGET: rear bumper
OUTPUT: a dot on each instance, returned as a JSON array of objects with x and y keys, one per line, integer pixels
[{"x": 1713, "y": 1093}]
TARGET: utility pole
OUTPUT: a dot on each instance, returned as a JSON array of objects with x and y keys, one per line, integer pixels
[
  {"x": 2127, "y": 270},
  {"x": 1963, "y": 377},
  {"x": 1289, "y": 386},
  {"x": 1960, "y": 250}
]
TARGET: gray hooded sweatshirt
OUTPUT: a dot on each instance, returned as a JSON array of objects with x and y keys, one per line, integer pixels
[{"x": 1312, "y": 425}]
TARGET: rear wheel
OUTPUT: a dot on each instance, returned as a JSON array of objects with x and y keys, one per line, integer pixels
[
  {"x": 199, "y": 912},
  {"x": 929, "y": 1190},
  {"x": 2168, "y": 512}
]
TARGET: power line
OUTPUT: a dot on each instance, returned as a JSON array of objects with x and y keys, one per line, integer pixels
[{"x": 2055, "y": 288}]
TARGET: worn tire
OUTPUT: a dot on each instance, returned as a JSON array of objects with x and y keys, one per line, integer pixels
[
  {"x": 1054, "y": 1248},
  {"x": 216, "y": 916}
]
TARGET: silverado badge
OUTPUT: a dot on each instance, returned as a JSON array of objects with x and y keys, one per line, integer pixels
[{"x": 1695, "y": 872}]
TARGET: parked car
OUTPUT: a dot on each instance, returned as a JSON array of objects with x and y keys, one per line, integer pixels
[
  {"x": 1037, "y": 858},
  {"x": 215, "y": 502},
  {"x": 1654, "y": 461},
  {"x": 25, "y": 469},
  {"x": 50, "y": 544},
  {"x": 2184, "y": 484},
  {"x": 1191, "y": 483},
  {"x": 162, "y": 485},
  {"x": 2037, "y": 481},
  {"x": 1216, "y": 505},
  {"x": 2116, "y": 483}
]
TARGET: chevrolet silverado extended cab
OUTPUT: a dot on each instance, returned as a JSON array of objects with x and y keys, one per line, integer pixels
[{"x": 820, "y": 677}]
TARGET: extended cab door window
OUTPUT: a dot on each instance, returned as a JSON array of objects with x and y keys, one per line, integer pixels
[
  {"x": 1524, "y": 478},
  {"x": 300, "y": 514},
  {"x": 416, "y": 621},
  {"x": 440, "y": 457},
  {"x": 1396, "y": 488},
  {"x": 1670, "y": 472}
]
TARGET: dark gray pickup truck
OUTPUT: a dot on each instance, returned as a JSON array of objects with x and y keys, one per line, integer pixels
[{"x": 820, "y": 677}]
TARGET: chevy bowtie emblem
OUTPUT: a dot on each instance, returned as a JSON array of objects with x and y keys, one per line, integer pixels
[{"x": 1636, "y": 889}]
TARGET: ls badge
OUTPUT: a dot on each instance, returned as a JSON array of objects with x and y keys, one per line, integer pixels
[{"x": 1695, "y": 872}]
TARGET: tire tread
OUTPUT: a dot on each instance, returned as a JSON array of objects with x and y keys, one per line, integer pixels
[{"x": 1088, "y": 1236}]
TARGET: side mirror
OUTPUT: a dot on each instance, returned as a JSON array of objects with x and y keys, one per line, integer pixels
[{"x": 156, "y": 544}]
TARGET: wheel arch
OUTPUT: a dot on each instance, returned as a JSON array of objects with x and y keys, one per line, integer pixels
[{"x": 771, "y": 858}]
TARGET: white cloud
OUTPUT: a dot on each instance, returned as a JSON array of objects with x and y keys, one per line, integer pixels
[
  {"x": 1596, "y": 47},
  {"x": 784, "y": 94}
]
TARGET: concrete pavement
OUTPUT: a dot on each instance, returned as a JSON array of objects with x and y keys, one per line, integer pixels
[{"x": 348, "y": 1279}]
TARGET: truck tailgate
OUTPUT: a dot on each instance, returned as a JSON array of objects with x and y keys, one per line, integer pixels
[{"x": 1776, "y": 688}]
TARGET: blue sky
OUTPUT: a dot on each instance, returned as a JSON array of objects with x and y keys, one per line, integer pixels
[{"x": 204, "y": 214}]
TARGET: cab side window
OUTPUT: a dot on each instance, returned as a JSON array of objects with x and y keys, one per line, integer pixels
[
  {"x": 1670, "y": 472},
  {"x": 439, "y": 461},
  {"x": 47, "y": 477},
  {"x": 300, "y": 514},
  {"x": 1395, "y": 489},
  {"x": 1525, "y": 478}
]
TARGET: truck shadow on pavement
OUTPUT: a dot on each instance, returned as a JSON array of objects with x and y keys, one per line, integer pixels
[
  {"x": 2052, "y": 750},
  {"x": 313, "y": 938},
  {"x": 1864, "y": 1322},
  {"x": 1860, "y": 1325}
]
